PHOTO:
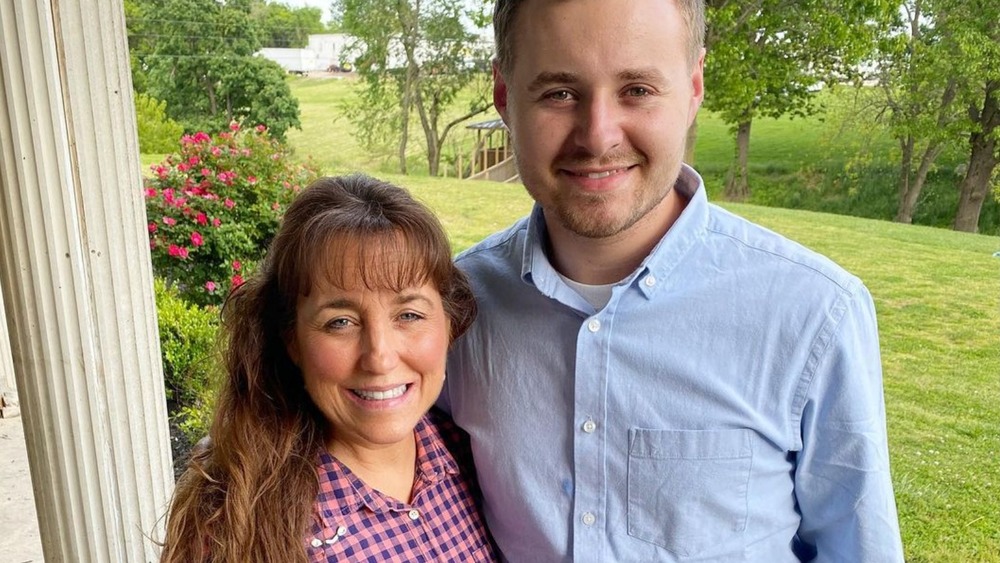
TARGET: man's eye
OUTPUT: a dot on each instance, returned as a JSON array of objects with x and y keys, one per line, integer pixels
[
  {"x": 559, "y": 95},
  {"x": 638, "y": 91}
]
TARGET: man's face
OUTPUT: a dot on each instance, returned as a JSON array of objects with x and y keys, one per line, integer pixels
[{"x": 598, "y": 101}]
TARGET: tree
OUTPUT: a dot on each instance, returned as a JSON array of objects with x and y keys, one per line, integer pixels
[
  {"x": 918, "y": 98},
  {"x": 198, "y": 57},
  {"x": 767, "y": 58},
  {"x": 415, "y": 56},
  {"x": 972, "y": 28},
  {"x": 281, "y": 26}
]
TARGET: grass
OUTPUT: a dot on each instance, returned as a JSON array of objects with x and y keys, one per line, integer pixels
[
  {"x": 936, "y": 292},
  {"x": 939, "y": 314}
]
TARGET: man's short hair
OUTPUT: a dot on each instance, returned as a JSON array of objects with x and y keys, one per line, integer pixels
[{"x": 505, "y": 12}]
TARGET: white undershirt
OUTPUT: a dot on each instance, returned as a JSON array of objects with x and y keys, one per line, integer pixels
[{"x": 597, "y": 295}]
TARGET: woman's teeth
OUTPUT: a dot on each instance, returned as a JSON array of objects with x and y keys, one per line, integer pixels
[{"x": 380, "y": 395}]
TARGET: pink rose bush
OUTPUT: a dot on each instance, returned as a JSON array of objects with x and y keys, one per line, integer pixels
[{"x": 215, "y": 205}]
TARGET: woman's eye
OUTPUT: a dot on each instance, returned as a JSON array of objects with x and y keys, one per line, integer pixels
[
  {"x": 337, "y": 323},
  {"x": 408, "y": 317}
]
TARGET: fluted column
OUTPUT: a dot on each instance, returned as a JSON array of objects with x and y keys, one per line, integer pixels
[
  {"x": 77, "y": 281},
  {"x": 7, "y": 385}
]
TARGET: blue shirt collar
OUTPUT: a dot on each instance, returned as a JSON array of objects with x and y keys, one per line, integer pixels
[{"x": 691, "y": 225}]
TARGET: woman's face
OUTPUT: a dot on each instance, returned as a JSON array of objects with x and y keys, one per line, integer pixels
[{"x": 373, "y": 360}]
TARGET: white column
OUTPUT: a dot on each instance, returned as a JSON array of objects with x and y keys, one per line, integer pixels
[
  {"x": 8, "y": 388},
  {"x": 77, "y": 281}
]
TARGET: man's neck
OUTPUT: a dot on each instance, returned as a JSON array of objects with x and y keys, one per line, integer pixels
[{"x": 598, "y": 261}]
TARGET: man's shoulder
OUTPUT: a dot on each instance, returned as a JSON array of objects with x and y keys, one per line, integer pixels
[
  {"x": 769, "y": 249},
  {"x": 509, "y": 241}
]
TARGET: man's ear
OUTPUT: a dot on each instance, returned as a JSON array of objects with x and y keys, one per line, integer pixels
[{"x": 499, "y": 92}]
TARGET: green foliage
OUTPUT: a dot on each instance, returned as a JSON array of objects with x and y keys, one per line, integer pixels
[
  {"x": 414, "y": 59},
  {"x": 198, "y": 57},
  {"x": 282, "y": 26},
  {"x": 768, "y": 59},
  {"x": 215, "y": 205},
  {"x": 157, "y": 132},
  {"x": 190, "y": 359}
]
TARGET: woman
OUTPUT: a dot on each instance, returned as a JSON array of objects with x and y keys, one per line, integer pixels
[{"x": 322, "y": 447}]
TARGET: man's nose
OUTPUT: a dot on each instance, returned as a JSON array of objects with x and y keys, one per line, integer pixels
[{"x": 598, "y": 126}]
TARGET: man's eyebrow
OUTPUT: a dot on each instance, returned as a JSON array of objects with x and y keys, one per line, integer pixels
[
  {"x": 650, "y": 74},
  {"x": 545, "y": 79}
]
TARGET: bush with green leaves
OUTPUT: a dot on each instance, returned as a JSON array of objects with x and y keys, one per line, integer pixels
[
  {"x": 214, "y": 206},
  {"x": 191, "y": 361},
  {"x": 157, "y": 133}
]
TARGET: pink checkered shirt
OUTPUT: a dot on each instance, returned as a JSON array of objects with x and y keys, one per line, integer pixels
[{"x": 354, "y": 522}]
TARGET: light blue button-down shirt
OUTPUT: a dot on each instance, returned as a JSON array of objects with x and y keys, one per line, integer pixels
[{"x": 725, "y": 405}]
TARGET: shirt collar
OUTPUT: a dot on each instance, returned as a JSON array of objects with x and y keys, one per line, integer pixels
[
  {"x": 689, "y": 227},
  {"x": 342, "y": 492}
]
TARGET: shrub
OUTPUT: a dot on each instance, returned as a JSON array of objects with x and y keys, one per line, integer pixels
[
  {"x": 190, "y": 363},
  {"x": 157, "y": 132},
  {"x": 214, "y": 206}
]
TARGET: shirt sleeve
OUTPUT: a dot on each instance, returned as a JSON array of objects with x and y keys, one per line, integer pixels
[{"x": 842, "y": 481}]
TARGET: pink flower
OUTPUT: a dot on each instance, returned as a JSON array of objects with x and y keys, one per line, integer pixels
[
  {"x": 261, "y": 128},
  {"x": 150, "y": 192},
  {"x": 230, "y": 203},
  {"x": 201, "y": 137},
  {"x": 210, "y": 286},
  {"x": 201, "y": 219},
  {"x": 196, "y": 239},
  {"x": 183, "y": 253},
  {"x": 174, "y": 250},
  {"x": 237, "y": 265},
  {"x": 152, "y": 227},
  {"x": 234, "y": 126},
  {"x": 169, "y": 221},
  {"x": 251, "y": 180},
  {"x": 216, "y": 222},
  {"x": 216, "y": 151},
  {"x": 194, "y": 161},
  {"x": 276, "y": 206},
  {"x": 206, "y": 172},
  {"x": 183, "y": 167},
  {"x": 236, "y": 280}
]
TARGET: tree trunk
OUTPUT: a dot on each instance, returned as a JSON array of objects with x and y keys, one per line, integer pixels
[
  {"x": 737, "y": 181},
  {"x": 689, "y": 142},
  {"x": 908, "y": 198},
  {"x": 982, "y": 161},
  {"x": 976, "y": 183},
  {"x": 904, "y": 213}
]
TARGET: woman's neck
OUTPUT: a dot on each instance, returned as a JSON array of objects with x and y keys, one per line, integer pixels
[{"x": 388, "y": 469}]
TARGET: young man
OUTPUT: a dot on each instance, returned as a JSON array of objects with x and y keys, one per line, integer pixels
[{"x": 650, "y": 377}]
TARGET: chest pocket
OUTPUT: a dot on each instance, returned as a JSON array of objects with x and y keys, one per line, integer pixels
[{"x": 687, "y": 489}]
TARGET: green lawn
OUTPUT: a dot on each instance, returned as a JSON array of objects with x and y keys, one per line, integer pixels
[
  {"x": 939, "y": 314},
  {"x": 936, "y": 292}
]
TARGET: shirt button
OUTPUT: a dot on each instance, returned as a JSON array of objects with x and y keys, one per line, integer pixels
[
  {"x": 414, "y": 514},
  {"x": 650, "y": 281},
  {"x": 594, "y": 325},
  {"x": 317, "y": 542},
  {"x": 589, "y": 518},
  {"x": 589, "y": 426}
]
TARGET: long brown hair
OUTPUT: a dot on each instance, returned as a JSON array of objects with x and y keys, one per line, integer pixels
[{"x": 248, "y": 496}]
